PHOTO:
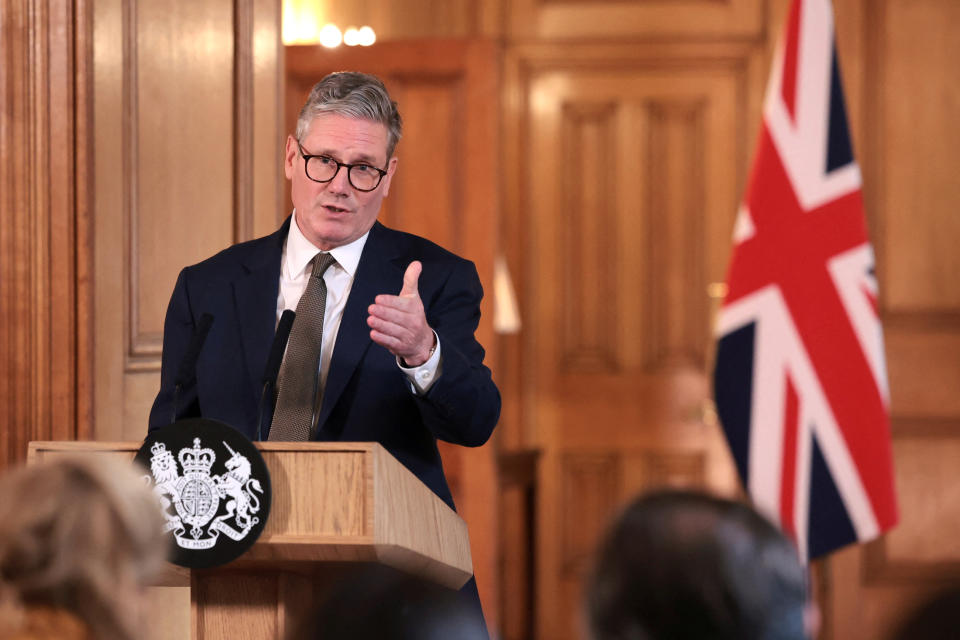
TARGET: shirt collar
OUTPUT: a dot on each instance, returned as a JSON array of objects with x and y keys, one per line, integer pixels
[{"x": 298, "y": 252}]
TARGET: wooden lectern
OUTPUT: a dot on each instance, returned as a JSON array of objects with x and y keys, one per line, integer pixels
[{"x": 334, "y": 505}]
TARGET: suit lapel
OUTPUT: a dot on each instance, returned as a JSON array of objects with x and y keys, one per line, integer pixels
[
  {"x": 376, "y": 274},
  {"x": 255, "y": 299}
]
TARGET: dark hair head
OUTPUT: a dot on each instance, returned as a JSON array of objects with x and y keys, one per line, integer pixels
[
  {"x": 679, "y": 564},
  {"x": 381, "y": 603}
]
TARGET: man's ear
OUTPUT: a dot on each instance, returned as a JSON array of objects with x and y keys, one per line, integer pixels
[
  {"x": 290, "y": 157},
  {"x": 391, "y": 168}
]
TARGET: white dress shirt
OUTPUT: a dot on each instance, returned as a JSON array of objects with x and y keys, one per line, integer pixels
[{"x": 294, "y": 275}]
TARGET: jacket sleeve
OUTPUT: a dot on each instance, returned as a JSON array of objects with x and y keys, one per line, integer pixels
[
  {"x": 178, "y": 327},
  {"x": 463, "y": 405}
]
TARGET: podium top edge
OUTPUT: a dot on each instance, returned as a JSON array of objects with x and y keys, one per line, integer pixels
[{"x": 98, "y": 445}]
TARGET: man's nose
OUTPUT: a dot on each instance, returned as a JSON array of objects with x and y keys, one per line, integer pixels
[{"x": 341, "y": 181}]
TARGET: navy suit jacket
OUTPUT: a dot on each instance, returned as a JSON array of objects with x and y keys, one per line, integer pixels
[{"x": 367, "y": 397}]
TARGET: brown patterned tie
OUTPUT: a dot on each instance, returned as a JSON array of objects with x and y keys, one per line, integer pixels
[{"x": 300, "y": 371}]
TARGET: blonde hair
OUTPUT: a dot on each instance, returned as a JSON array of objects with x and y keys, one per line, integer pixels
[{"x": 80, "y": 534}]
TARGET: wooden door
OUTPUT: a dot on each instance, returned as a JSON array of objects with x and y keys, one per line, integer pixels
[
  {"x": 445, "y": 189},
  {"x": 625, "y": 163}
]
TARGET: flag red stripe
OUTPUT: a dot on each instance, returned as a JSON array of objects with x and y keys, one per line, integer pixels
[
  {"x": 789, "y": 84},
  {"x": 788, "y": 484},
  {"x": 851, "y": 391}
]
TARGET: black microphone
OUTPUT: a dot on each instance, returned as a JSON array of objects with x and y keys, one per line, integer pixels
[
  {"x": 272, "y": 370},
  {"x": 187, "y": 373}
]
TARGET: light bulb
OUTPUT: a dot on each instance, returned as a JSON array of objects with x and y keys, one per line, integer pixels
[
  {"x": 351, "y": 37},
  {"x": 367, "y": 36},
  {"x": 330, "y": 36}
]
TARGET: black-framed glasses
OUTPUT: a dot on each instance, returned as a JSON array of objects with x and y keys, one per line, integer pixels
[{"x": 362, "y": 176}]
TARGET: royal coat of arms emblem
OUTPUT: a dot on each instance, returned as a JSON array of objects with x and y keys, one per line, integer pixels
[{"x": 199, "y": 506}]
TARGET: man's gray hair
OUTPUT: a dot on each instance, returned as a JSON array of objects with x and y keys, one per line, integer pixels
[{"x": 355, "y": 95}]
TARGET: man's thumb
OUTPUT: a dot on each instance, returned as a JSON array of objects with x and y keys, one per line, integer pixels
[{"x": 410, "y": 278}]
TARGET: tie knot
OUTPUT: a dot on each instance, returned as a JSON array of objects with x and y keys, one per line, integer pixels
[{"x": 321, "y": 262}]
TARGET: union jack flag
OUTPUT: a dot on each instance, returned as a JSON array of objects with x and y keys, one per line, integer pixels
[{"x": 800, "y": 379}]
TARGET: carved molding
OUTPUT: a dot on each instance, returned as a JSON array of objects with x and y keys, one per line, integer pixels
[
  {"x": 143, "y": 349},
  {"x": 40, "y": 302},
  {"x": 922, "y": 321},
  {"x": 677, "y": 309},
  {"x": 636, "y": 18},
  {"x": 590, "y": 488},
  {"x": 243, "y": 123},
  {"x": 903, "y": 426},
  {"x": 588, "y": 242}
]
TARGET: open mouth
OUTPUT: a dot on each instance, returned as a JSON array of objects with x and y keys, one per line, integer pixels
[{"x": 335, "y": 209}]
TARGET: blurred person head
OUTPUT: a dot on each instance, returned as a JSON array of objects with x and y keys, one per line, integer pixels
[
  {"x": 937, "y": 618},
  {"x": 79, "y": 537},
  {"x": 381, "y": 603},
  {"x": 679, "y": 564}
]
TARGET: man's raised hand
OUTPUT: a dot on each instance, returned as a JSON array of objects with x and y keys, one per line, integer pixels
[{"x": 399, "y": 324}]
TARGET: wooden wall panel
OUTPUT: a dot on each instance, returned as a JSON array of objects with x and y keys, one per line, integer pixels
[
  {"x": 919, "y": 353},
  {"x": 177, "y": 138},
  {"x": 186, "y": 121},
  {"x": 433, "y": 110},
  {"x": 915, "y": 100},
  {"x": 930, "y": 508}
]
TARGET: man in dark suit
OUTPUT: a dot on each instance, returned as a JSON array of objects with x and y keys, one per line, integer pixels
[{"x": 383, "y": 346}]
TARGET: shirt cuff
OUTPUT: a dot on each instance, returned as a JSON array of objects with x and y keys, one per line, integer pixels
[{"x": 422, "y": 378}]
